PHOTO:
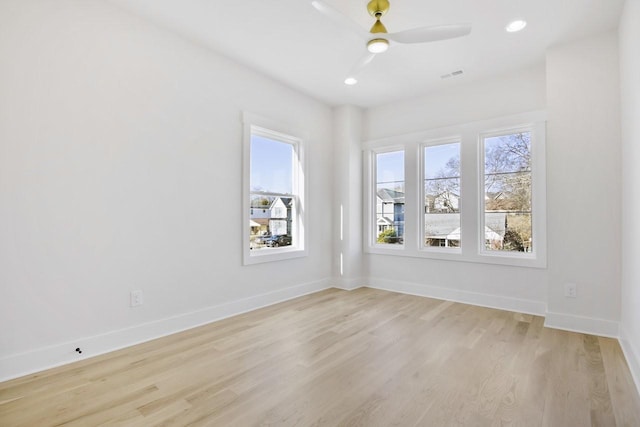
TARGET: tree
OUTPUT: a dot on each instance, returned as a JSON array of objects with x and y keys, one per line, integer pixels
[
  {"x": 507, "y": 169},
  {"x": 513, "y": 241},
  {"x": 387, "y": 236},
  {"x": 261, "y": 202},
  {"x": 444, "y": 187},
  {"x": 508, "y": 186}
]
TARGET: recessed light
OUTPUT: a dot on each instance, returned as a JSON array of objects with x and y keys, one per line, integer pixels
[
  {"x": 350, "y": 81},
  {"x": 515, "y": 26}
]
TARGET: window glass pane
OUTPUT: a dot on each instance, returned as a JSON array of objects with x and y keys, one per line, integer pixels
[
  {"x": 271, "y": 165},
  {"x": 442, "y": 195},
  {"x": 507, "y": 198},
  {"x": 390, "y": 197},
  {"x": 272, "y": 205}
]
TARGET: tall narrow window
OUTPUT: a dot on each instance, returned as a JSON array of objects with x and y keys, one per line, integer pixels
[
  {"x": 390, "y": 197},
  {"x": 275, "y": 202},
  {"x": 442, "y": 195},
  {"x": 507, "y": 193}
]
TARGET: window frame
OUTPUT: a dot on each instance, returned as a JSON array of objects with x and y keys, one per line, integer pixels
[
  {"x": 538, "y": 195},
  {"x": 422, "y": 226},
  {"x": 256, "y": 125},
  {"x": 472, "y": 193},
  {"x": 370, "y": 201}
]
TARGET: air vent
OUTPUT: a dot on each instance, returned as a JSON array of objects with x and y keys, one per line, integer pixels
[{"x": 452, "y": 74}]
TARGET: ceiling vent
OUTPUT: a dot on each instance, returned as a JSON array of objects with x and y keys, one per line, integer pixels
[{"x": 452, "y": 74}]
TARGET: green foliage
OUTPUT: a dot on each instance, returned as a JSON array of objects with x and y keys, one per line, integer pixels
[
  {"x": 513, "y": 241},
  {"x": 387, "y": 236}
]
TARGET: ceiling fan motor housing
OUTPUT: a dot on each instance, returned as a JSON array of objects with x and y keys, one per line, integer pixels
[{"x": 377, "y": 8}]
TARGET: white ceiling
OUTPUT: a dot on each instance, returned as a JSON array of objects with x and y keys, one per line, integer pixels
[{"x": 290, "y": 41}]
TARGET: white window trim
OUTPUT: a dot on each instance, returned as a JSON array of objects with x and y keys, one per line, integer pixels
[
  {"x": 421, "y": 216},
  {"x": 538, "y": 195},
  {"x": 370, "y": 201},
  {"x": 254, "y": 124},
  {"x": 472, "y": 196}
]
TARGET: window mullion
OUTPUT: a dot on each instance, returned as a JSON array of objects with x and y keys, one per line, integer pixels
[
  {"x": 470, "y": 219},
  {"x": 412, "y": 190}
]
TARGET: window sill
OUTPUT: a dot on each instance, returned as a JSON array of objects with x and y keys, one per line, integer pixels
[
  {"x": 386, "y": 249},
  {"x": 273, "y": 254},
  {"x": 530, "y": 260}
]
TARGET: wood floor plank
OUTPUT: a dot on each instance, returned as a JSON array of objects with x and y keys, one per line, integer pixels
[
  {"x": 342, "y": 358},
  {"x": 625, "y": 401}
]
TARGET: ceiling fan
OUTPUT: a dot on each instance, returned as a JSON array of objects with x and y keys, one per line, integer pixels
[{"x": 379, "y": 39}]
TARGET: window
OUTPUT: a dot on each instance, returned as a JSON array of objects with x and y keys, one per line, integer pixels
[
  {"x": 389, "y": 196},
  {"x": 273, "y": 194},
  {"x": 473, "y": 192},
  {"x": 507, "y": 192},
  {"x": 442, "y": 195}
]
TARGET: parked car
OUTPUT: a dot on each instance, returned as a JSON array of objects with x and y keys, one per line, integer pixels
[
  {"x": 280, "y": 240},
  {"x": 262, "y": 239}
]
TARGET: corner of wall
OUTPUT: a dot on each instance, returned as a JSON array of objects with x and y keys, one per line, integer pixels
[
  {"x": 457, "y": 295},
  {"x": 632, "y": 355},
  {"x": 582, "y": 324}
]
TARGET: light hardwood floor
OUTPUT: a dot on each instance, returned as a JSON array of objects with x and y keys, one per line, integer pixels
[{"x": 359, "y": 358}]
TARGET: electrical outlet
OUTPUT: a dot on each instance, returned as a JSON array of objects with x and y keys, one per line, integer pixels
[
  {"x": 570, "y": 290},
  {"x": 136, "y": 298}
]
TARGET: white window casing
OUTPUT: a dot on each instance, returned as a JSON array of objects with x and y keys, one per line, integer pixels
[
  {"x": 472, "y": 197},
  {"x": 254, "y": 125}
]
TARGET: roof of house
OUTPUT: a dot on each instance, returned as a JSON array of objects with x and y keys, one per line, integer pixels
[
  {"x": 447, "y": 225},
  {"x": 390, "y": 196},
  {"x": 285, "y": 200},
  {"x": 383, "y": 220}
]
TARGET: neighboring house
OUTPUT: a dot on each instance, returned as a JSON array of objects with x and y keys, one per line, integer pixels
[
  {"x": 384, "y": 224},
  {"x": 280, "y": 216},
  {"x": 271, "y": 218},
  {"x": 504, "y": 201},
  {"x": 390, "y": 210},
  {"x": 443, "y": 229},
  {"x": 260, "y": 208},
  {"x": 446, "y": 201}
]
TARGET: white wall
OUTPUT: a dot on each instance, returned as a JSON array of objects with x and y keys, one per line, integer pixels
[
  {"x": 583, "y": 190},
  {"x": 347, "y": 209},
  {"x": 120, "y": 146},
  {"x": 578, "y": 86},
  {"x": 494, "y": 285},
  {"x": 504, "y": 95},
  {"x": 630, "y": 93},
  {"x": 120, "y": 162}
]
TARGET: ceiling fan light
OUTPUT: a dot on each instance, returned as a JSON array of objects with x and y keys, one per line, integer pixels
[
  {"x": 377, "y": 45},
  {"x": 350, "y": 81},
  {"x": 515, "y": 26}
]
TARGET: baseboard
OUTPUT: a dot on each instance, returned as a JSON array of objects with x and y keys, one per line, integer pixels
[
  {"x": 484, "y": 300},
  {"x": 18, "y": 365},
  {"x": 632, "y": 355},
  {"x": 585, "y": 325},
  {"x": 349, "y": 284}
]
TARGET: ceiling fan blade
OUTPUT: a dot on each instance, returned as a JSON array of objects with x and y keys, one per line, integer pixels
[
  {"x": 339, "y": 18},
  {"x": 361, "y": 64},
  {"x": 431, "y": 34}
]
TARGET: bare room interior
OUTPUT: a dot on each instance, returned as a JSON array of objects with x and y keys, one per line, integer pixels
[{"x": 319, "y": 212}]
